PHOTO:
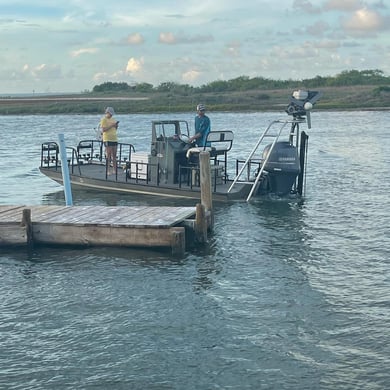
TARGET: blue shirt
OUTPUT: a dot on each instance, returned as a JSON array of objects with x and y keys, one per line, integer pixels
[{"x": 202, "y": 126}]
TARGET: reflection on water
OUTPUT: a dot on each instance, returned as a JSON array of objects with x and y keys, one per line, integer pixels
[{"x": 285, "y": 295}]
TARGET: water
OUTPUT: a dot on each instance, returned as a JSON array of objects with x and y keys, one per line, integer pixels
[{"x": 285, "y": 296}]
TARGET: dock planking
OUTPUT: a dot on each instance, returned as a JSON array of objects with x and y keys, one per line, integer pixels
[{"x": 139, "y": 226}]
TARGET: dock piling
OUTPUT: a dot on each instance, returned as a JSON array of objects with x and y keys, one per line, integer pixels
[
  {"x": 205, "y": 185},
  {"x": 200, "y": 224},
  {"x": 27, "y": 224},
  {"x": 178, "y": 241}
]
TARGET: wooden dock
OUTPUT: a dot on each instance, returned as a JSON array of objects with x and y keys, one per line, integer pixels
[{"x": 136, "y": 226}]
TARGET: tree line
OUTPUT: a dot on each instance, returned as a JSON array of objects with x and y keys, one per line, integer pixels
[{"x": 245, "y": 83}]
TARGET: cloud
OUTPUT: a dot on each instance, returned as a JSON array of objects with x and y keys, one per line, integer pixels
[
  {"x": 39, "y": 72},
  {"x": 135, "y": 39},
  {"x": 191, "y": 76},
  {"x": 364, "y": 20},
  {"x": 328, "y": 44},
  {"x": 170, "y": 38},
  {"x": 306, "y": 6},
  {"x": 167, "y": 37},
  {"x": 134, "y": 65},
  {"x": 99, "y": 77},
  {"x": 344, "y": 5},
  {"x": 79, "y": 52},
  {"x": 233, "y": 49},
  {"x": 317, "y": 29}
]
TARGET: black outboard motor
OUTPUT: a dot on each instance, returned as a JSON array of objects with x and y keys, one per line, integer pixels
[{"x": 283, "y": 167}]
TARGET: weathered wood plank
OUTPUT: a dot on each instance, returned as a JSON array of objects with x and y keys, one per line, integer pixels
[
  {"x": 139, "y": 226},
  {"x": 12, "y": 234},
  {"x": 11, "y": 213},
  {"x": 162, "y": 216},
  {"x": 103, "y": 235}
]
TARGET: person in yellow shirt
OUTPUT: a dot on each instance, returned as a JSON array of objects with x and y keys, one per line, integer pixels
[{"x": 109, "y": 127}]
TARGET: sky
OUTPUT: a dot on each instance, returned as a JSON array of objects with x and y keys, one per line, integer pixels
[{"x": 72, "y": 45}]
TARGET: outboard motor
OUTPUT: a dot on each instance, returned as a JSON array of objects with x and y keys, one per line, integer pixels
[{"x": 283, "y": 167}]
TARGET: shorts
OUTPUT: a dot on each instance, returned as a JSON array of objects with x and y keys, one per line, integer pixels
[{"x": 110, "y": 143}]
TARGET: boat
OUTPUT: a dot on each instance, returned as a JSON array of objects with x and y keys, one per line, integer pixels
[{"x": 170, "y": 167}]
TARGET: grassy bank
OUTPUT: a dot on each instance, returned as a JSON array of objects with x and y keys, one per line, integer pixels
[{"x": 340, "y": 98}]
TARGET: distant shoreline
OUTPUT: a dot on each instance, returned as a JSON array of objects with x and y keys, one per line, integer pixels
[
  {"x": 356, "y": 97},
  {"x": 65, "y": 99}
]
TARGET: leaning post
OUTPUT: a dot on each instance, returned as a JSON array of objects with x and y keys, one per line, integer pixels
[
  {"x": 205, "y": 185},
  {"x": 65, "y": 171}
]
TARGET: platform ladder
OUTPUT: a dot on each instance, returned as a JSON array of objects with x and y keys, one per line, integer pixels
[{"x": 266, "y": 134}]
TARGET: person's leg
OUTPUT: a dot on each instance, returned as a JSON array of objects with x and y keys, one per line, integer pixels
[
  {"x": 114, "y": 151},
  {"x": 108, "y": 159}
]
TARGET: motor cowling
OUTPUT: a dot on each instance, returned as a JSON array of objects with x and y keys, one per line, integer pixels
[{"x": 282, "y": 166}]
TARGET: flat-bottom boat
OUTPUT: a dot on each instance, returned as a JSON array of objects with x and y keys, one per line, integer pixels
[{"x": 276, "y": 164}]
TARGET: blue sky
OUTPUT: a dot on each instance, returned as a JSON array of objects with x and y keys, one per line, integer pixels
[{"x": 73, "y": 45}]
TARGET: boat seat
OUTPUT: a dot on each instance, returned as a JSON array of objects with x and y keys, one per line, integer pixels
[{"x": 218, "y": 143}]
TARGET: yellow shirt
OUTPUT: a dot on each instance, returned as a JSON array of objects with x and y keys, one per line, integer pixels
[{"x": 109, "y": 135}]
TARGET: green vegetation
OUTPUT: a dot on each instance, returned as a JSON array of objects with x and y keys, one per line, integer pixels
[{"x": 367, "y": 89}]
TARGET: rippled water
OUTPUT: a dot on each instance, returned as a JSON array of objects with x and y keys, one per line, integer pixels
[{"x": 285, "y": 296}]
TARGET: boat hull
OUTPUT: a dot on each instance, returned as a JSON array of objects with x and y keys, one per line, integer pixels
[{"x": 119, "y": 184}]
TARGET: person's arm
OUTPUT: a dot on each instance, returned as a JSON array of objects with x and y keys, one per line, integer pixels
[
  {"x": 204, "y": 124},
  {"x": 195, "y": 137},
  {"x": 107, "y": 126}
]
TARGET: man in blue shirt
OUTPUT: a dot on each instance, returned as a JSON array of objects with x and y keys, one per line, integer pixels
[{"x": 202, "y": 126}]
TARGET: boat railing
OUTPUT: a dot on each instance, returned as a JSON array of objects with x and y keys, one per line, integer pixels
[
  {"x": 189, "y": 175},
  {"x": 243, "y": 175},
  {"x": 139, "y": 171},
  {"x": 90, "y": 150},
  {"x": 50, "y": 156},
  {"x": 72, "y": 157},
  {"x": 124, "y": 152},
  {"x": 86, "y": 151},
  {"x": 93, "y": 150}
]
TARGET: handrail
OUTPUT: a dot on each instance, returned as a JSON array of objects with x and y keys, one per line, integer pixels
[
  {"x": 263, "y": 165},
  {"x": 264, "y": 161},
  {"x": 252, "y": 153}
]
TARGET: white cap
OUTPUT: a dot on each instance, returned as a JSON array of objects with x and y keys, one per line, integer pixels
[{"x": 110, "y": 110}]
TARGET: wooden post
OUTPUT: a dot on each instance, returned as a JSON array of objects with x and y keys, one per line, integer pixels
[
  {"x": 26, "y": 222},
  {"x": 200, "y": 224},
  {"x": 178, "y": 241},
  {"x": 205, "y": 184}
]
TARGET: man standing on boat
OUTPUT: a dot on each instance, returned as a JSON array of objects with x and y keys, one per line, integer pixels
[
  {"x": 202, "y": 126},
  {"x": 109, "y": 127}
]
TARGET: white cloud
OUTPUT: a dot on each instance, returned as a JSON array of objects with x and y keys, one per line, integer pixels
[
  {"x": 364, "y": 20},
  {"x": 78, "y": 52},
  {"x": 134, "y": 65},
  {"x": 135, "y": 39},
  {"x": 191, "y": 76},
  {"x": 170, "y": 38},
  {"x": 167, "y": 37}
]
